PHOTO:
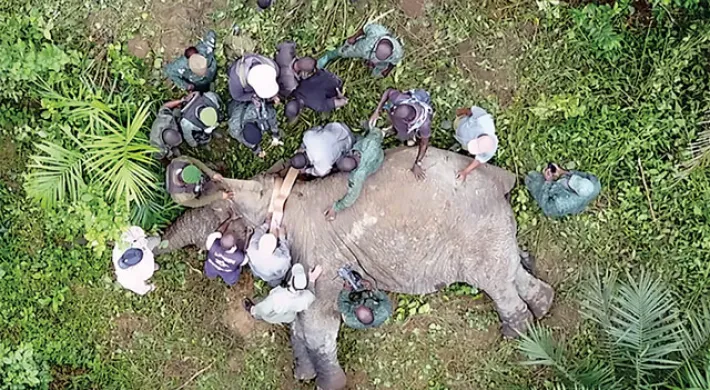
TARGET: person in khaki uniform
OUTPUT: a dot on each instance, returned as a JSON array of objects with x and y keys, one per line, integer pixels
[{"x": 191, "y": 183}]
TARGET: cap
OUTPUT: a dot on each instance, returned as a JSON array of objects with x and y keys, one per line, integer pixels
[
  {"x": 130, "y": 258},
  {"x": 481, "y": 145},
  {"x": 197, "y": 64},
  {"x": 299, "y": 280},
  {"x": 208, "y": 116},
  {"x": 267, "y": 244},
  {"x": 191, "y": 174},
  {"x": 263, "y": 79}
]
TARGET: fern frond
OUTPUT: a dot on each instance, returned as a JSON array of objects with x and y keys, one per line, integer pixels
[{"x": 56, "y": 174}]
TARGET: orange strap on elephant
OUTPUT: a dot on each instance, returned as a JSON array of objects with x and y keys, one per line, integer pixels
[{"x": 278, "y": 198}]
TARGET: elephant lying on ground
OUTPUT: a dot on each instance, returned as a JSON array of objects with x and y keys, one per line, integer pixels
[{"x": 407, "y": 236}]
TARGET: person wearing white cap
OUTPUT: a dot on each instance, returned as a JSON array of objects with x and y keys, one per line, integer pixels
[
  {"x": 254, "y": 77},
  {"x": 560, "y": 192},
  {"x": 476, "y": 133},
  {"x": 269, "y": 256},
  {"x": 199, "y": 117},
  {"x": 283, "y": 304},
  {"x": 197, "y": 68},
  {"x": 133, "y": 260}
]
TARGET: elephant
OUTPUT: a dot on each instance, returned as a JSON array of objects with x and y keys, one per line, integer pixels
[{"x": 407, "y": 236}]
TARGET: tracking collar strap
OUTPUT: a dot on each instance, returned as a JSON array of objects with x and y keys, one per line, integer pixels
[{"x": 282, "y": 189}]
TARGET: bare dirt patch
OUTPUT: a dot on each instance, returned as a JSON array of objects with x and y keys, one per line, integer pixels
[
  {"x": 412, "y": 8},
  {"x": 235, "y": 317},
  {"x": 126, "y": 326},
  {"x": 138, "y": 47},
  {"x": 179, "y": 369}
]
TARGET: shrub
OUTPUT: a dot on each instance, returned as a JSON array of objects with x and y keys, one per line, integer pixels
[{"x": 22, "y": 369}]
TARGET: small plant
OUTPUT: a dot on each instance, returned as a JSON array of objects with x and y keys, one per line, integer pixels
[
  {"x": 642, "y": 341},
  {"x": 22, "y": 369},
  {"x": 410, "y": 305}
]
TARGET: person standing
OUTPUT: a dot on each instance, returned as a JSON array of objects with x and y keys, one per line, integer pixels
[
  {"x": 375, "y": 44},
  {"x": 165, "y": 133},
  {"x": 476, "y": 132},
  {"x": 320, "y": 92},
  {"x": 322, "y": 147},
  {"x": 410, "y": 114},
  {"x": 225, "y": 254},
  {"x": 253, "y": 77},
  {"x": 283, "y": 304},
  {"x": 133, "y": 260},
  {"x": 269, "y": 256},
  {"x": 191, "y": 183},
  {"x": 197, "y": 68},
  {"x": 248, "y": 122},
  {"x": 292, "y": 70},
  {"x": 559, "y": 192}
]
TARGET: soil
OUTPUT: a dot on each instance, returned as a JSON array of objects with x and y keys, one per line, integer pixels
[
  {"x": 235, "y": 318},
  {"x": 12, "y": 163},
  {"x": 125, "y": 327},
  {"x": 180, "y": 369},
  {"x": 412, "y": 8},
  {"x": 138, "y": 47}
]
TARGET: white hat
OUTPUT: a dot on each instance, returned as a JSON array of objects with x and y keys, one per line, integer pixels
[
  {"x": 263, "y": 79},
  {"x": 481, "y": 145},
  {"x": 299, "y": 281},
  {"x": 267, "y": 244},
  {"x": 197, "y": 64},
  {"x": 583, "y": 187}
]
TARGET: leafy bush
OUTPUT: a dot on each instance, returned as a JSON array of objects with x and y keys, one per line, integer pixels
[
  {"x": 22, "y": 369},
  {"x": 641, "y": 339}
]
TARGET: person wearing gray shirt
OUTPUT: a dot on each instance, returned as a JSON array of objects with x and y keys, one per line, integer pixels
[
  {"x": 269, "y": 256},
  {"x": 476, "y": 132},
  {"x": 322, "y": 147}
]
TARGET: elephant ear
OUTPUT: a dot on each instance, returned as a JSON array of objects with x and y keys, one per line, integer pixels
[{"x": 504, "y": 179}]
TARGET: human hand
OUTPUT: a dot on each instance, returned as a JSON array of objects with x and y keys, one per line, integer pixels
[
  {"x": 276, "y": 100},
  {"x": 330, "y": 214},
  {"x": 373, "y": 119},
  {"x": 418, "y": 172},
  {"x": 351, "y": 40},
  {"x": 190, "y": 87},
  {"x": 217, "y": 177},
  {"x": 463, "y": 112},
  {"x": 315, "y": 273},
  {"x": 276, "y": 142},
  {"x": 461, "y": 175},
  {"x": 340, "y": 102},
  {"x": 261, "y": 154},
  {"x": 227, "y": 195}
]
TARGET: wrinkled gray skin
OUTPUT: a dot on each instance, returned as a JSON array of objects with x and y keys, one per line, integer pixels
[{"x": 409, "y": 237}]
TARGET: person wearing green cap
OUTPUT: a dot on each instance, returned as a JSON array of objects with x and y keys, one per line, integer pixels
[
  {"x": 560, "y": 192},
  {"x": 199, "y": 117},
  {"x": 191, "y": 183}
]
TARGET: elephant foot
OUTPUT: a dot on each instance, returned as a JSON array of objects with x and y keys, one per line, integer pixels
[
  {"x": 304, "y": 373},
  {"x": 336, "y": 381},
  {"x": 516, "y": 325},
  {"x": 542, "y": 303},
  {"x": 527, "y": 261}
]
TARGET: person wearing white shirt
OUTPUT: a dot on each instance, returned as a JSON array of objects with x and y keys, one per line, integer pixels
[
  {"x": 322, "y": 147},
  {"x": 269, "y": 257},
  {"x": 133, "y": 260},
  {"x": 476, "y": 132}
]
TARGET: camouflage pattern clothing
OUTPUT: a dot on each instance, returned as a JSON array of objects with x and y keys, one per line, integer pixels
[
  {"x": 241, "y": 113},
  {"x": 371, "y": 157},
  {"x": 192, "y": 195},
  {"x": 163, "y": 121},
  {"x": 556, "y": 198},
  {"x": 377, "y": 301},
  {"x": 364, "y": 47},
  {"x": 179, "y": 71},
  {"x": 192, "y": 129}
]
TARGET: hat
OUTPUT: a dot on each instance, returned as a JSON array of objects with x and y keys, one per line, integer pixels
[
  {"x": 263, "y": 79},
  {"x": 583, "y": 187},
  {"x": 481, "y": 145},
  {"x": 197, "y": 64},
  {"x": 267, "y": 244},
  {"x": 299, "y": 281},
  {"x": 191, "y": 174},
  {"x": 130, "y": 258},
  {"x": 208, "y": 116},
  {"x": 252, "y": 133}
]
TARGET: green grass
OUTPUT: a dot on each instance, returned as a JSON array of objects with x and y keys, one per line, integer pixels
[{"x": 622, "y": 103}]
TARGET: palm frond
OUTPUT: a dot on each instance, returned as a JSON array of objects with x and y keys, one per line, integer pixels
[
  {"x": 694, "y": 378},
  {"x": 645, "y": 329},
  {"x": 56, "y": 174},
  {"x": 699, "y": 150},
  {"x": 540, "y": 348},
  {"x": 696, "y": 333}
]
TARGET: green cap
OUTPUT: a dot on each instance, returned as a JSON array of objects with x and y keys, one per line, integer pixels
[
  {"x": 208, "y": 116},
  {"x": 191, "y": 174}
]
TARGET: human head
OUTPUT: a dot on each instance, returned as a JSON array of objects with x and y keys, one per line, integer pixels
[
  {"x": 305, "y": 65},
  {"x": 293, "y": 108},
  {"x": 172, "y": 137},
  {"x": 346, "y": 164},
  {"x": 263, "y": 4},
  {"x": 252, "y": 133},
  {"x": 405, "y": 112},
  {"x": 197, "y": 63},
  {"x": 228, "y": 241},
  {"x": 190, "y": 51},
  {"x": 267, "y": 244},
  {"x": 299, "y": 160},
  {"x": 208, "y": 116},
  {"x": 191, "y": 174},
  {"x": 384, "y": 49},
  {"x": 263, "y": 79},
  {"x": 583, "y": 187},
  {"x": 364, "y": 314},
  {"x": 552, "y": 171},
  {"x": 481, "y": 145},
  {"x": 130, "y": 258}
]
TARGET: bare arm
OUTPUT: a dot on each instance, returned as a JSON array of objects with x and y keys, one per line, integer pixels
[
  {"x": 359, "y": 33},
  {"x": 173, "y": 104}
]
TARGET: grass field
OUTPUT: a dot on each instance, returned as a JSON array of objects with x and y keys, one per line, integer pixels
[{"x": 618, "y": 90}]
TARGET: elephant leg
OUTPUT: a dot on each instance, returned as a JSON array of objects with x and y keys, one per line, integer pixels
[
  {"x": 536, "y": 293},
  {"x": 320, "y": 327},
  {"x": 512, "y": 310},
  {"x": 303, "y": 369}
]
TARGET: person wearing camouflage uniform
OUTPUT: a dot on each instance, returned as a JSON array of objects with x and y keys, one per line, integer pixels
[
  {"x": 189, "y": 78},
  {"x": 165, "y": 122},
  {"x": 368, "y": 156},
  {"x": 367, "y": 43},
  {"x": 248, "y": 121},
  {"x": 560, "y": 192},
  {"x": 376, "y": 305},
  {"x": 195, "y": 129}
]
